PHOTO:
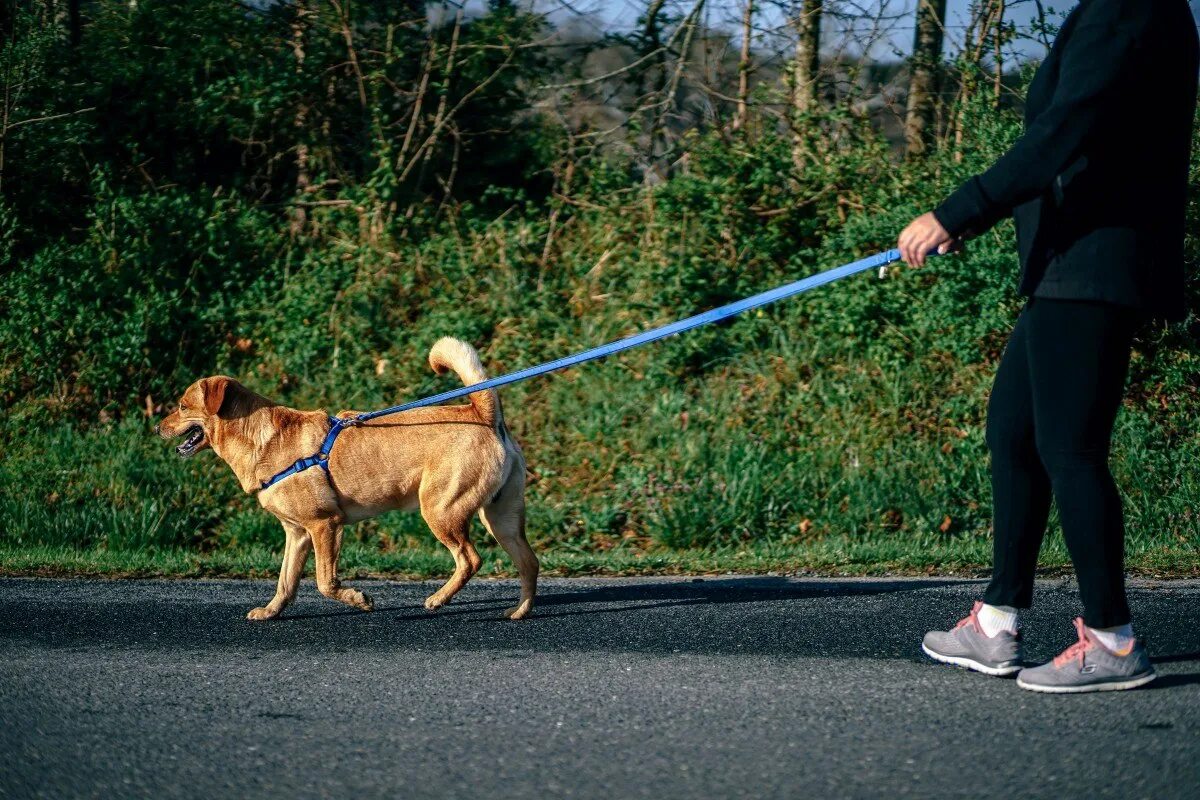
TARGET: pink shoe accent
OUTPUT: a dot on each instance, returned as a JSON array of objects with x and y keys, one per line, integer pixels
[
  {"x": 972, "y": 619},
  {"x": 1077, "y": 651}
]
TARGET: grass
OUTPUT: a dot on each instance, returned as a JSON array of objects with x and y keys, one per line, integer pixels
[
  {"x": 830, "y": 557},
  {"x": 847, "y": 485}
]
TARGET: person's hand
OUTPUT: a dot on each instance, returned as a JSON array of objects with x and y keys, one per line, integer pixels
[{"x": 920, "y": 238}]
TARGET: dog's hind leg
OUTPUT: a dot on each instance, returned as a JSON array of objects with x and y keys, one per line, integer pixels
[
  {"x": 295, "y": 554},
  {"x": 505, "y": 519},
  {"x": 453, "y": 533},
  {"x": 327, "y": 542}
]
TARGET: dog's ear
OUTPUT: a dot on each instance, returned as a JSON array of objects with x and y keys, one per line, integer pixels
[{"x": 214, "y": 390}]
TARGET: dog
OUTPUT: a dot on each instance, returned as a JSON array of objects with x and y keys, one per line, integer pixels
[{"x": 451, "y": 462}]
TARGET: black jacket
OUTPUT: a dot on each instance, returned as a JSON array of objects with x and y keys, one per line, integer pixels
[{"x": 1098, "y": 182}]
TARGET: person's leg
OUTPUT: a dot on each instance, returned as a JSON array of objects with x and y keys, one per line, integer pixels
[
  {"x": 1020, "y": 485},
  {"x": 1079, "y": 357},
  {"x": 987, "y": 640}
]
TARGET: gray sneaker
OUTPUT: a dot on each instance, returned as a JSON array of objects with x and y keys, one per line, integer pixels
[
  {"x": 1088, "y": 666},
  {"x": 966, "y": 645}
]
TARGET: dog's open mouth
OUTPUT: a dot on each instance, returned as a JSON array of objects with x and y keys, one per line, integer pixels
[{"x": 195, "y": 438}]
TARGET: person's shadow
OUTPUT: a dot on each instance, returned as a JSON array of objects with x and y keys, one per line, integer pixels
[
  {"x": 804, "y": 618},
  {"x": 749, "y": 615},
  {"x": 1175, "y": 679},
  {"x": 625, "y": 598}
]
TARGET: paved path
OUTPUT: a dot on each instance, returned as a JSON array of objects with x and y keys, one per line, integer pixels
[{"x": 656, "y": 688}]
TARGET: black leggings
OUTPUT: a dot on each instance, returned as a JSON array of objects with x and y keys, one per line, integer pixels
[{"x": 1049, "y": 426}]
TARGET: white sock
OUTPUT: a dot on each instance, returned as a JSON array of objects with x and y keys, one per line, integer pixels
[
  {"x": 1118, "y": 639},
  {"x": 994, "y": 619}
]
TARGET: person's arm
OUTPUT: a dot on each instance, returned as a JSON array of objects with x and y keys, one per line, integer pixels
[
  {"x": 1092, "y": 66},
  {"x": 1102, "y": 44}
]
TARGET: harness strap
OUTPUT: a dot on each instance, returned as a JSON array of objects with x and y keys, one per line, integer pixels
[{"x": 318, "y": 459}]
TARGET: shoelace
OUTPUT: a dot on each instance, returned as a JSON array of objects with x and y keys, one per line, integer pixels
[
  {"x": 971, "y": 619},
  {"x": 1077, "y": 651}
]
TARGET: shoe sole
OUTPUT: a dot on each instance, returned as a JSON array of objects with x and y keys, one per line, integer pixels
[
  {"x": 1002, "y": 671},
  {"x": 1111, "y": 686}
]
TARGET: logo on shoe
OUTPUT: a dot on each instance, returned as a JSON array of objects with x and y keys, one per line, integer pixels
[{"x": 1088, "y": 670}]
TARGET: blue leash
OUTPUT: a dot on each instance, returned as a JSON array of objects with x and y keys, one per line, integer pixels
[{"x": 337, "y": 424}]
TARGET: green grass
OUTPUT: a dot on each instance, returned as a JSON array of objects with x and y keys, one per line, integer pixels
[{"x": 832, "y": 557}]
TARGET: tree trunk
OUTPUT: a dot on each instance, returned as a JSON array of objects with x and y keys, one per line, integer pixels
[
  {"x": 803, "y": 71},
  {"x": 300, "y": 120},
  {"x": 972, "y": 64},
  {"x": 652, "y": 77},
  {"x": 808, "y": 56},
  {"x": 661, "y": 147},
  {"x": 74, "y": 23},
  {"x": 652, "y": 42},
  {"x": 743, "y": 95},
  {"x": 998, "y": 87},
  {"x": 923, "y": 84}
]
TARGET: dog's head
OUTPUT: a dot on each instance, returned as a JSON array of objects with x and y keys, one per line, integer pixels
[{"x": 199, "y": 413}]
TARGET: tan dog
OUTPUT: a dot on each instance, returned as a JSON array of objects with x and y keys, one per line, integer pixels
[{"x": 449, "y": 461}]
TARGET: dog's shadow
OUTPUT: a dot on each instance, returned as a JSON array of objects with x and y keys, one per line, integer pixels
[{"x": 625, "y": 598}]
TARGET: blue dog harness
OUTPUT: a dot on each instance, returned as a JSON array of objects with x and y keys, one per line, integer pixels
[
  {"x": 318, "y": 459},
  {"x": 337, "y": 424}
]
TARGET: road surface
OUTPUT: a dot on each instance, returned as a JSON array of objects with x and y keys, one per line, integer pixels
[{"x": 617, "y": 688}]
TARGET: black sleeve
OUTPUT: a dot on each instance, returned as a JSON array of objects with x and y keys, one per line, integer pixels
[{"x": 1100, "y": 49}]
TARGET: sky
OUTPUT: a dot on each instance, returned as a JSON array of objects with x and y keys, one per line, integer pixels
[
  {"x": 622, "y": 15},
  {"x": 897, "y": 43}
]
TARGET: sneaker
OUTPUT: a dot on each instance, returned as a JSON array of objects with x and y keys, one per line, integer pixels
[
  {"x": 1088, "y": 666},
  {"x": 968, "y": 646}
]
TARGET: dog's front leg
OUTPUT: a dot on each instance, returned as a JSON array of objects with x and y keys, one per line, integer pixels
[
  {"x": 295, "y": 554},
  {"x": 327, "y": 542}
]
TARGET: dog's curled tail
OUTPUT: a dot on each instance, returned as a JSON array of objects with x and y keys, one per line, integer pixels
[{"x": 450, "y": 353}]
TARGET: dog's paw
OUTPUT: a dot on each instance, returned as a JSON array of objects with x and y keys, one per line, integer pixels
[
  {"x": 262, "y": 613},
  {"x": 363, "y": 602},
  {"x": 434, "y": 602},
  {"x": 519, "y": 611}
]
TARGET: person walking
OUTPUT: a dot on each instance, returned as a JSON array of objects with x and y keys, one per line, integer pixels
[{"x": 1098, "y": 189}]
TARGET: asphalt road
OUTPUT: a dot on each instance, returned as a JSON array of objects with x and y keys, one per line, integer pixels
[{"x": 657, "y": 688}]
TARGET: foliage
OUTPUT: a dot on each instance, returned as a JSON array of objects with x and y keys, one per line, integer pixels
[{"x": 165, "y": 236}]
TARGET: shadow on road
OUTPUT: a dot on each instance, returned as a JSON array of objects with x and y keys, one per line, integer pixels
[
  {"x": 1171, "y": 659},
  {"x": 713, "y": 591},
  {"x": 1184, "y": 679},
  {"x": 775, "y": 617},
  {"x": 553, "y": 601},
  {"x": 1174, "y": 681}
]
